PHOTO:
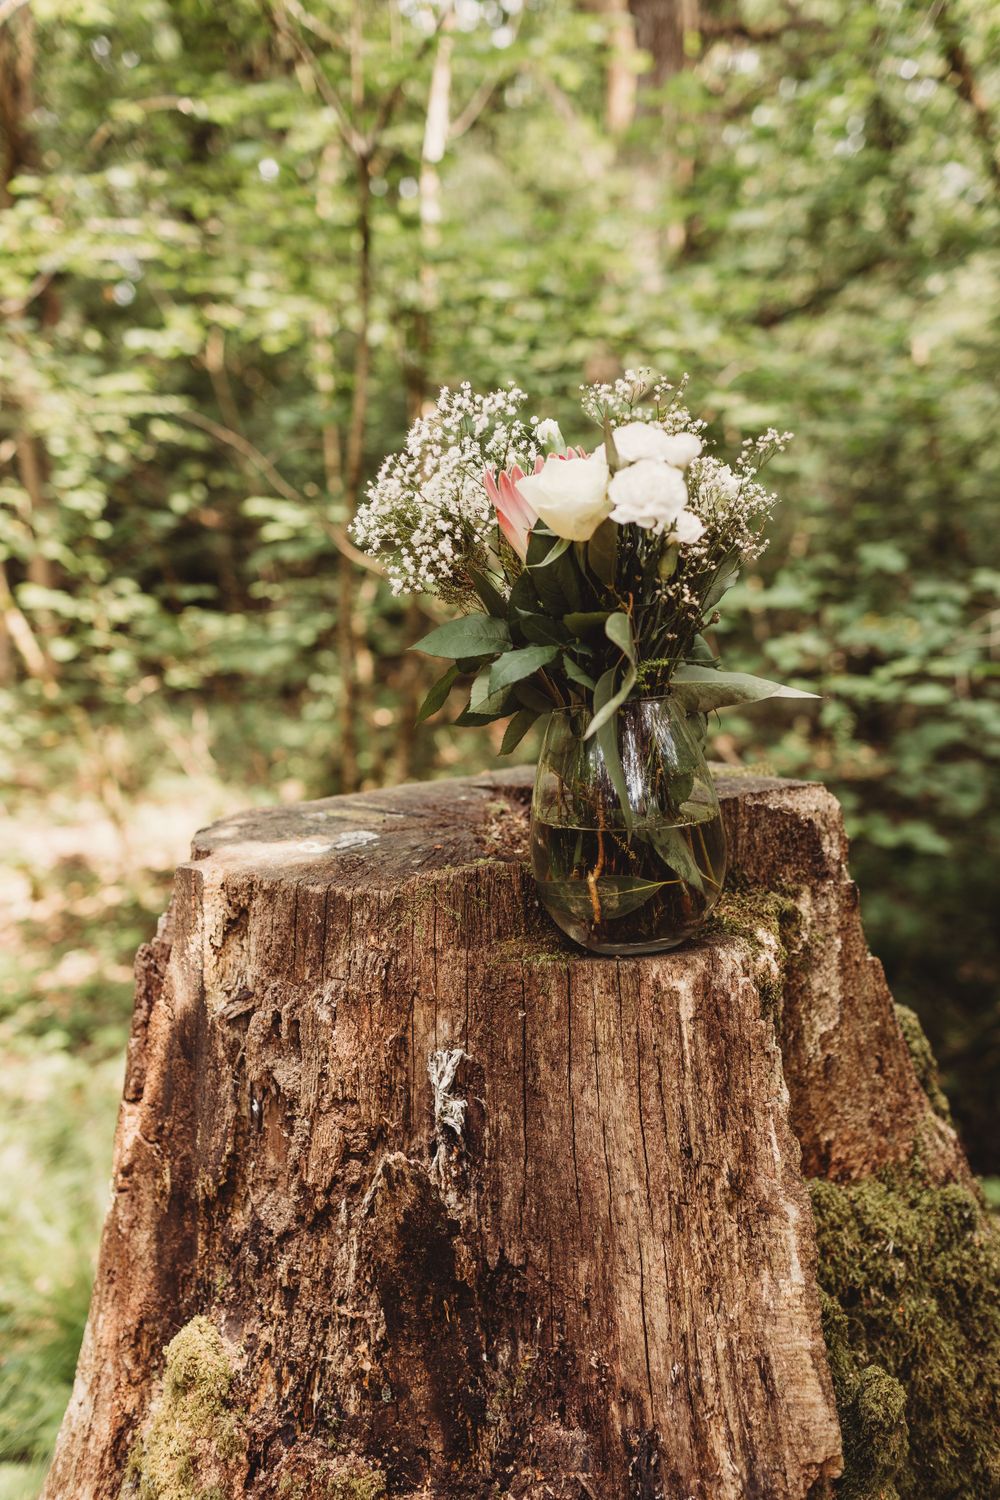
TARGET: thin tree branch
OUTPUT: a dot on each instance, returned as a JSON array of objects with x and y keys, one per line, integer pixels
[
  {"x": 287, "y": 491},
  {"x": 770, "y": 315},
  {"x": 963, "y": 79},
  {"x": 353, "y": 139}
]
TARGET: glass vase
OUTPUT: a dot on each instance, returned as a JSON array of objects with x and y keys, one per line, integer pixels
[{"x": 635, "y": 874}]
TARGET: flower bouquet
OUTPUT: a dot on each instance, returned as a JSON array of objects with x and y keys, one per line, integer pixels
[{"x": 583, "y": 581}]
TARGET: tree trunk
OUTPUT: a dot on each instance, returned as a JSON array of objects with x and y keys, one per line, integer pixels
[{"x": 411, "y": 1198}]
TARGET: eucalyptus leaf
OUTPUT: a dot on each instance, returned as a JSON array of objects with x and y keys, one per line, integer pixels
[
  {"x": 729, "y": 571},
  {"x": 702, "y": 689},
  {"x": 607, "y": 701},
  {"x": 607, "y": 739},
  {"x": 575, "y": 672},
  {"x": 618, "y": 629},
  {"x": 700, "y": 650},
  {"x": 667, "y": 565}
]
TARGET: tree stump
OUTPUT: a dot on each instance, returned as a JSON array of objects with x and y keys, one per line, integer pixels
[{"x": 411, "y": 1197}]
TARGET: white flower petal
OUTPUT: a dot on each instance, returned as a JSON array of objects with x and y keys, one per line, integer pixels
[
  {"x": 686, "y": 528},
  {"x": 570, "y": 495},
  {"x": 639, "y": 440},
  {"x": 649, "y": 493}
]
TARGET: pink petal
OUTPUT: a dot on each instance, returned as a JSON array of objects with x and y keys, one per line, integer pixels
[
  {"x": 518, "y": 539},
  {"x": 491, "y": 486},
  {"x": 516, "y": 505}
]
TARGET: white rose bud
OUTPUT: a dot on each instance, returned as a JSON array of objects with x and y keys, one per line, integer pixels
[
  {"x": 649, "y": 493},
  {"x": 638, "y": 440},
  {"x": 549, "y": 435},
  {"x": 570, "y": 495}
]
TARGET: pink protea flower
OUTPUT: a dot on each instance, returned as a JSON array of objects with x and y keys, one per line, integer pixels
[{"x": 515, "y": 516}]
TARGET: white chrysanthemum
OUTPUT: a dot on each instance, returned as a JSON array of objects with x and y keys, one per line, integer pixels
[
  {"x": 649, "y": 493},
  {"x": 686, "y": 529},
  {"x": 638, "y": 440}
]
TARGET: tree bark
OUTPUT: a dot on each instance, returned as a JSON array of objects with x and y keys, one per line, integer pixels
[{"x": 411, "y": 1198}]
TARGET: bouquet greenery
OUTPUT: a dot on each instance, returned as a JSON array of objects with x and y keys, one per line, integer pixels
[{"x": 583, "y": 578}]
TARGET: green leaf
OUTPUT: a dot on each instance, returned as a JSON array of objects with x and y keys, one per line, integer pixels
[
  {"x": 602, "y": 553},
  {"x": 517, "y": 729},
  {"x": 729, "y": 571},
  {"x": 607, "y": 700},
  {"x": 605, "y": 726},
  {"x": 667, "y": 565},
  {"x": 532, "y": 697},
  {"x": 618, "y": 629},
  {"x": 524, "y": 595},
  {"x": 554, "y": 553},
  {"x": 543, "y": 630},
  {"x": 578, "y": 622},
  {"x": 701, "y": 689},
  {"x": 514, "y": 665},
  {"x": 557, "y": 585},
  {"x": 673, "y": 848},
  {"x": 575, "y": 672},
  {"x": 438, "y": 694},
  {"x": 496, "y": 604},
  {"x": 472, "y": 635},
  {"x": 700, "y": 650}
]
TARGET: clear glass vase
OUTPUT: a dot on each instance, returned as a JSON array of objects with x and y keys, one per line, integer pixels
[{"x": 635, "y": 878}]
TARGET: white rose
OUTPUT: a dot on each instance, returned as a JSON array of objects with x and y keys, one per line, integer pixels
[
  {"x": 686, "y": 529},
  {"x": 638, "y": 440},
  {"x": 648, "y": 493},
  {"x": 570, "y": 495}
]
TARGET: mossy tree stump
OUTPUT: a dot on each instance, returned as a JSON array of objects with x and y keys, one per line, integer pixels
[{"x": 412, "y": 1198}]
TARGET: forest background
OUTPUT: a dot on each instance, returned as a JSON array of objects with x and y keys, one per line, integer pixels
[{"x": 241, "y": 247}]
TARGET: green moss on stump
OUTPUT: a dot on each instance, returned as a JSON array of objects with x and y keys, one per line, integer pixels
[
  {"x": 193, "y": 1433},
  {"x": 910, "y": 1277},
  {"x": 342, "y": 1478},
  {"x": 923, "y": 1059},
  {"x": 770, "y": 923}
]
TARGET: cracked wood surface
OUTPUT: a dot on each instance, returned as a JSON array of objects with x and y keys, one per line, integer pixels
[{"x": 605, "y": 1284}]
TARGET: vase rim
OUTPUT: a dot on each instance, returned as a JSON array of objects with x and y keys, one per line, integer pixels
[{"x": 581, "y": 708}]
